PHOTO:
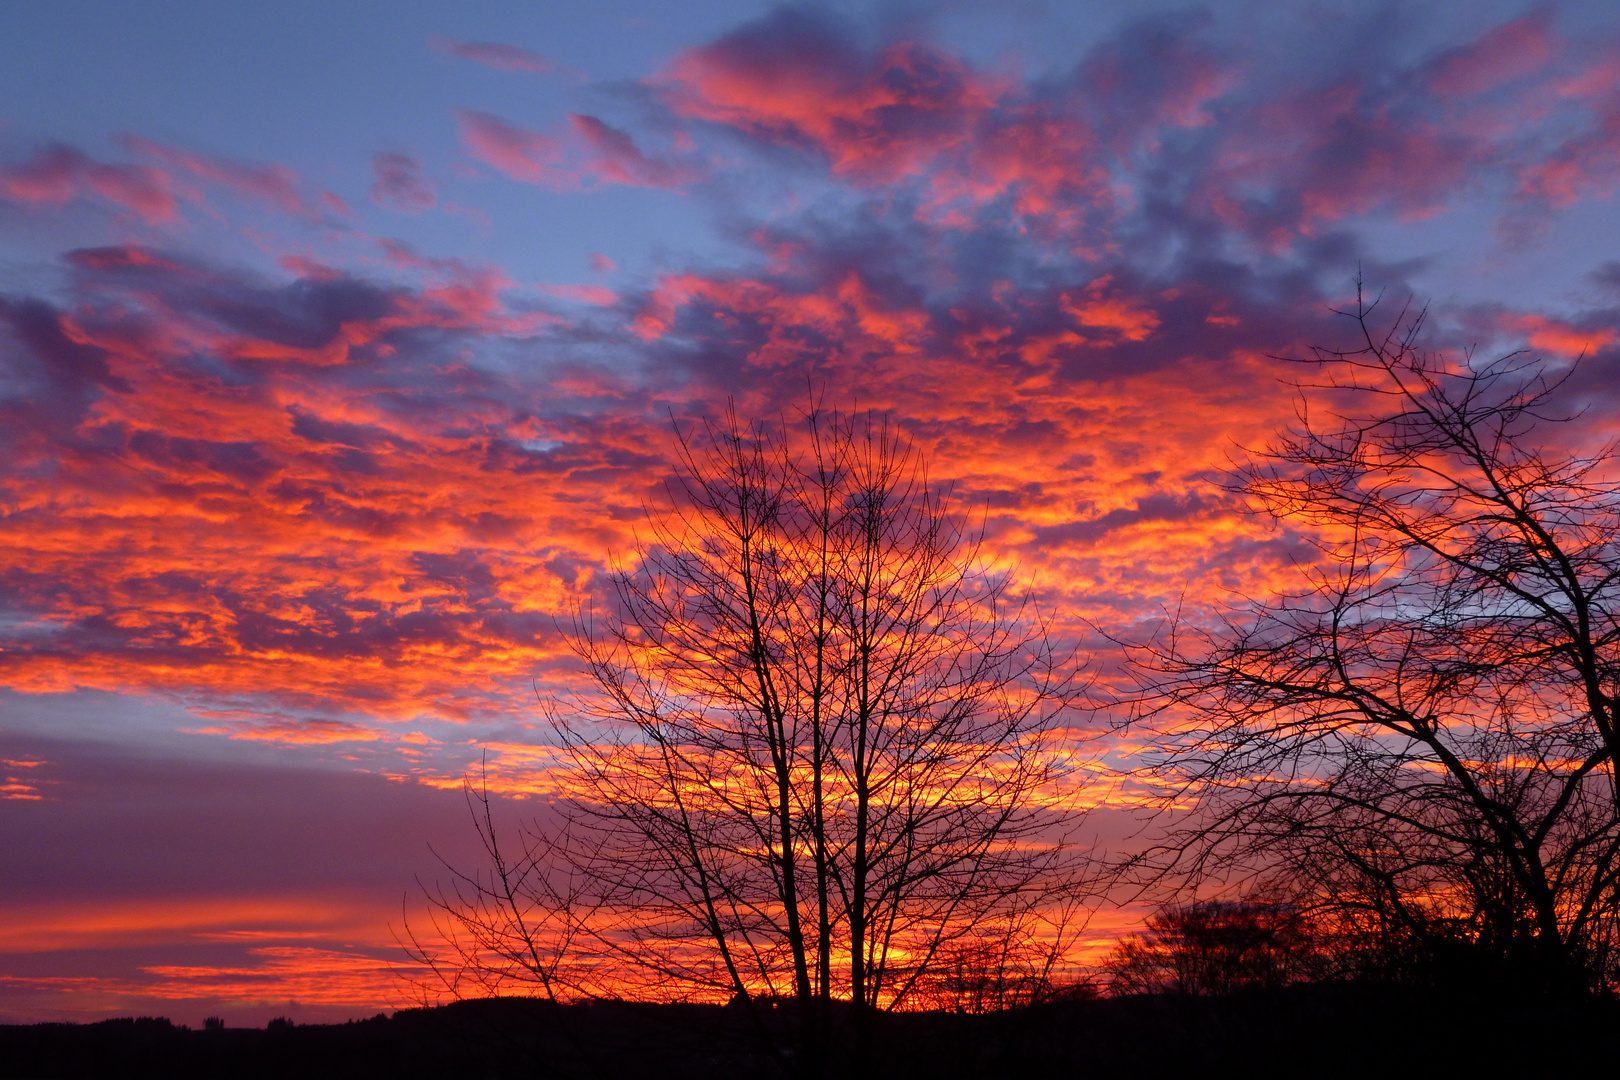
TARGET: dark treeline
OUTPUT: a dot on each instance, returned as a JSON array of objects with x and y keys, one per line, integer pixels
[{"x": 1321, "y": 1029}]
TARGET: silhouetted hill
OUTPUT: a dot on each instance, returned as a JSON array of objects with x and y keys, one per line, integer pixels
[{"x": 1325, "y": 1030}]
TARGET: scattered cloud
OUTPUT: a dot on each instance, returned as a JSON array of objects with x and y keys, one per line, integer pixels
[
  {"x": 56, "y": 174},
  {"x": 500, "y": 57},
  {"x": 398, "y": 184},
  {"x": 272, "y": 185},
  {"x": 523, "y": 155}
]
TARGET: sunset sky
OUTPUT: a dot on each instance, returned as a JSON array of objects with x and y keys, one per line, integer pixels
[{"x": 339, "y": 345}]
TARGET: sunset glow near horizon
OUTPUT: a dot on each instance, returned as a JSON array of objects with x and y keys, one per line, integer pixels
[{"x": 339, "y": 351}]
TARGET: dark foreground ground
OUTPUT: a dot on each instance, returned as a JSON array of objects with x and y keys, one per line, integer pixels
[{"x": 1328, "y": 1030}]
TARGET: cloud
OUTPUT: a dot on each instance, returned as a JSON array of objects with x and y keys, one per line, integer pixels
[
  {"x": 585, "y": 294},
  {"x": 398, "y": 184},
  {"x": 1584, "y": 166},
  {"x": 612, "y": 157},
  {"x": 902, "y": 113},
  {"x": 500, "y": 57},
  {"x": 590, "y": 153},
  {"x": 1556, "y": 336},
  {"x": 797, "y": 80},
  {"x": 57, "y": 174},
  {"x": 291, "y": 731},
  {"x": 1504, "y": 53},
  {"x": 310, "y": 414},
  {"x": 366, "y": 486},
  {"x": 190, "y": 886},
  {"x": 523, "y": 155},
  {"x": 273, "y": 185}
]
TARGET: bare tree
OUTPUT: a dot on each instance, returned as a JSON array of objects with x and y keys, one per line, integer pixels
[
  {"x": 1423, "y": 734},
  {"x": 818, "y": 765}
]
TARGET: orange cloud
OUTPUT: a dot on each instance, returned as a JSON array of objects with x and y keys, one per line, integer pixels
[
  {"x": 1551, "y": 335},
  {"x": 1125, "y": 317}
]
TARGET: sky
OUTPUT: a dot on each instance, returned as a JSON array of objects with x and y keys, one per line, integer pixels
[{"x": 340, "y": 346}]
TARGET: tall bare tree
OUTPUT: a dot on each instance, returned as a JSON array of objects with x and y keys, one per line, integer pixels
[
  {"x": 1422, "y": 735},
  {"x": 817, "y": 768}
]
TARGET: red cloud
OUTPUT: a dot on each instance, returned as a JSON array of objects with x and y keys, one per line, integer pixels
[
  {"x": 57, "y": 174},
  {"x": 340, "y": 495},
  {"x": 374, "y": 497},
  {"x": 1121, "y": 317}
]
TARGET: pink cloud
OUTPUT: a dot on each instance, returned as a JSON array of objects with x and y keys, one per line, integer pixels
[
  {"x": 877, "y": 118},
  {"x": 602, "y": 264},
  {"x": 614, "y": 158},
  {"x": 585, "y": 294},
  {"x": 57, "y": 174},
  {"x": 1585, "y": 165},
  {"x": 523, "y": 155},
  {"x": 1324, "y": 154},
  {"x": 275, "y": 185},
  {"x": 1507, "y": 52},
  {"x": 592, "y": 152},
  {"x": 904, "y": 114},
  {"x": 500, "y": 57}
]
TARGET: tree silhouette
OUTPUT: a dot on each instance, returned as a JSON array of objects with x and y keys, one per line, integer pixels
[
  {"x": 1213, "y": 947},
  {"x": 817, "y": 768},
  {"x": 1422, "y": 736}
]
